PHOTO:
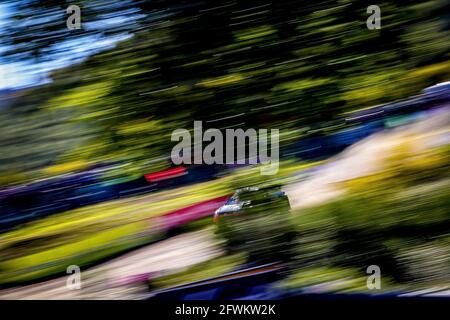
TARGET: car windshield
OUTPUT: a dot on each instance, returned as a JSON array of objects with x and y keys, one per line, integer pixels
[{"x": 231, "y": 201}]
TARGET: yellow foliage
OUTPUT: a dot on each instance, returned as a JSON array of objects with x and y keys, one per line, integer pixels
[
  {"x": 254, "y": 33},
  {"x": 301, "y": 84},
  {"x": 81, "y": 96},
  {"x": 66, "y": 167},
  {"x": 222, "y": 81},
  {"x": 438, "y": 69}
]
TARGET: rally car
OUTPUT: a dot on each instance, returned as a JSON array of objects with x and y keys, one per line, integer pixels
[{"x": 252, "y": 197}]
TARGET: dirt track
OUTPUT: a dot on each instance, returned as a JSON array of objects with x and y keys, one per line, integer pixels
[
  {"x": 111, "y": 280},
  {"x": 367, "y": 157}
]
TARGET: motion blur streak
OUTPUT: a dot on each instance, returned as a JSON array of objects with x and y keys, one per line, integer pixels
[{"x": 86, "y": 177}]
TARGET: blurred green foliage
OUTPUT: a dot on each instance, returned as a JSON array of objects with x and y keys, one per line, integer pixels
[
  {"x": 397, "y": 219},
  {"x": 278, "y": 64}
]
